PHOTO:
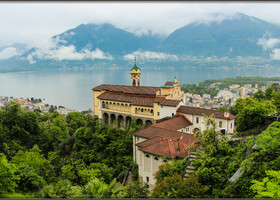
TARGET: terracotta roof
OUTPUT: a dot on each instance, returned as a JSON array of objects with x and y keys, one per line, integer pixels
[
  {"x": 167, "y": 147},
  {"x": 153, "y": 131},
  {"x": 201, "y": 111},
  {"x": 168, "y": 83},
  {"x": 167, "y": 102},
  {"x": 141, "y": 100},
  {"x": 127, "y": 89},
  {"x": 176, "y": 123},
  {"x": 134, "y": 100}
]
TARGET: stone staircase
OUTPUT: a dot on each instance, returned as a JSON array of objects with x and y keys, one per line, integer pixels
[{"x": 190, "y": 169}]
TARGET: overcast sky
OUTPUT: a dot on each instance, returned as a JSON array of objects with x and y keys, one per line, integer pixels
[{"x": 33, "y": 22}]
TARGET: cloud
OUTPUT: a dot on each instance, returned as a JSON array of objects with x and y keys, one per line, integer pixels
[
  {"x": 151, "y": 55},
  {"x": 275, "y": 54},
  {"x": 31, "y": 22},
  {"x": 8, "y": 53},
  {"x": 268, "y": 43},
  {"x": 52, "y": 50}
]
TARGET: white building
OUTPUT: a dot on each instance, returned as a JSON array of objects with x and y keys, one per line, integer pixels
[
  {"x": 224, "y": 120},
  {"x": 159, "y": 143},
  {"x": 167, "y": 140}
]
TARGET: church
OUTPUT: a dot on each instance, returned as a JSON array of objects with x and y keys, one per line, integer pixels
[
  {"x": 172, "y": 125},
  {"x": 116, "y": 105}
]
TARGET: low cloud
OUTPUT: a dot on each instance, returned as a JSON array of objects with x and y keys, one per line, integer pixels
[
  {"x": 151, "y": 55},
  {"x": 268, "y": 43},
  {"x": 8, "y": 53},
  {"x": 51, "y": 50},
  {"x": 275, "y": 54}
]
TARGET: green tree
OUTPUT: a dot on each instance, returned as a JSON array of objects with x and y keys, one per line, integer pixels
[
  {"x": 269, "y": 187},
  {"x": 7, "y": 176},
  {"x": 137, "y": 190},
  {"x": 36, "y": 160},
  {"x": 175, "y": 187},
  {"x": 259, "y": 95},
  {"x": 167, "y": 169},
  {"x": 252, "y": 113},
  {"x": 29, "y": 180},
  {"x": 99, "y": 189}
]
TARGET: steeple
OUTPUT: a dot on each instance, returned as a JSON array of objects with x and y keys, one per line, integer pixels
[
  {"x": 135, "y": 73},
  {"x": 175, "y": 80}
]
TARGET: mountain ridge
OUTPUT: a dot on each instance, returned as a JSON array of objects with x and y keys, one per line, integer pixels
[{"x": 93, "y": 45}]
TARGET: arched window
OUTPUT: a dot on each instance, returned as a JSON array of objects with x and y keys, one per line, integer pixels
[
  {"x": 138, "y": 82},
  {"x": 142, "y": 110},
  {"x": 147, "y": 156},
  {"x": 156, "y": 158},
  {"x": 103, "y": 104},
  {"x": 134, "y": 82},
  {"x": 152, "y": 111}
]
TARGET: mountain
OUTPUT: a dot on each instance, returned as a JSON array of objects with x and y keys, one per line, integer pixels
[
  {"x": 233, "y": 37},
  {"x": 107, "y": 38},
  {"x": 236, "y": 41}
]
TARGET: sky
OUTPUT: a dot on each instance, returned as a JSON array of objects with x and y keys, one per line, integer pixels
[{"x": 34, "y": 22}]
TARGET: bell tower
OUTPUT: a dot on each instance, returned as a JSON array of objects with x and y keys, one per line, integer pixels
[{"x": 135, "y": 73}]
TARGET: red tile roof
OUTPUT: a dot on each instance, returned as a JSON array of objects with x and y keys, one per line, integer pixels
[
  {"x": 141, "y": 100},
  {"x": 167, "y": 147},
  {"x": 127, "y": 89},
  {"x": 164, "y": 140},
  {"x": 167, "y": 102},
  {"x": 152, "y": 131},
  {"x": 201, "y": 111},
  {"x": 176, "y": 123},
  {"x": 168, "y": 83},
  {"x": 134, "y": 100}
]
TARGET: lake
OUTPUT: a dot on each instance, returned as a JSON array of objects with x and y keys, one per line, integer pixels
[{"x": 73, "y": 89}]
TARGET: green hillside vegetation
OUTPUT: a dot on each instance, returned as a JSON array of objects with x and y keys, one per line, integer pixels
[
  {"x": 48, "y": 155},
  {"x": 218, "y": 158}
]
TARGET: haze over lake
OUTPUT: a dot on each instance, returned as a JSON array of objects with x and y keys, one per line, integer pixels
[{"x": 73, "y": 89}]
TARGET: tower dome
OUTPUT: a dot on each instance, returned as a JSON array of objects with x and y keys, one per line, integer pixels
[{"x": 135, "y": 73}]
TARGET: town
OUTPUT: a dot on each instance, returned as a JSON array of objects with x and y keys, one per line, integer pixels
[
  {"x": 35, "y": 104},
  {"x": 225, "y": 98}
]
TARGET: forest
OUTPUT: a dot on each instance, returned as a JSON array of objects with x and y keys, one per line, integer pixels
[{"x": 47, "y": 155}]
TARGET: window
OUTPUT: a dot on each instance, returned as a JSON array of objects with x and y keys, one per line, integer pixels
[
  {"x": 152, "y": 111},
  {"x": 158, "y": 113},
  {"x": 161, "y": 106},
  {"x": 197, "y": 120},
  {"x": 231, "y": 125},
  {"x": 156, "y": 158},
  {"x": 147, "y": 156},
  {"x": 165, "y": 161},
  {"x": 172, "y": 114},
  {"x": 142, "y": 110},
  {"x": 220, "y": 124},
  {"x": 103, "y": 104},
  {"x": 147, "y": 179}
]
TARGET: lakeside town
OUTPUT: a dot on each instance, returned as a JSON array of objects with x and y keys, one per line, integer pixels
[
  {"x": 224, "y": 98},
  {"x": 35, "y": 104}
]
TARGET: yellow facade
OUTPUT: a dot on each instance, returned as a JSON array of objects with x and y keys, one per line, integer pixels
[
  {"x": 124, "y": 108},
  {"x": 109, "y": 107},
  {"x": 172, "y": 91}
]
